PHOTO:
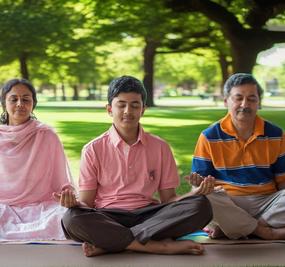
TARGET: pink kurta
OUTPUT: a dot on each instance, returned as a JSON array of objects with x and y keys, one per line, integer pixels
[{"x": 32, "y": 167}]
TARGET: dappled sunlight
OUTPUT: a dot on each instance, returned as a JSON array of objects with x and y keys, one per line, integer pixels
[
  {"x": 179, "y": 127},
  {"x": 174, "y": 122}
]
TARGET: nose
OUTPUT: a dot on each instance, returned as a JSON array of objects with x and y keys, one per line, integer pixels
[
  {"x": 127, "y": 109},
  {"x": 244, "y": 102},
  {"x": 19, "y": 102}
]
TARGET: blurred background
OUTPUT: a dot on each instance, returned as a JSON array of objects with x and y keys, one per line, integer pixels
[{"x": 182, "y": 50}]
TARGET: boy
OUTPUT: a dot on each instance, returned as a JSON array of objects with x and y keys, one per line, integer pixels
[{"x": 119, "y": 174}]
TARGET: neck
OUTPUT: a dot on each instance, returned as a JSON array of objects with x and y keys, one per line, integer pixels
[
  {"x": 244, "y": 129},
  {"x": 129, "y": 136}
]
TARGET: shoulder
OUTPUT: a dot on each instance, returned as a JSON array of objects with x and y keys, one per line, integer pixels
[
  {"x": 155, "y": 141},
  {"x": 272, "y": 130},
  {"x": 215, "y": 133},
  {"x": 97, "y": 142},
  {"x": 47, "y": 132}
]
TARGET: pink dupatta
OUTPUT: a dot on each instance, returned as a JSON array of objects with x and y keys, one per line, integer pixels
[{"x": 32, "y": 167}]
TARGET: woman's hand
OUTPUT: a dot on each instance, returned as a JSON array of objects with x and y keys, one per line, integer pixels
[{"x": 66, "y": 198}]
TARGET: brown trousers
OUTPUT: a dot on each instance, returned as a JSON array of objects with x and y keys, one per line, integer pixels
[{"x": 114, "y": 229}]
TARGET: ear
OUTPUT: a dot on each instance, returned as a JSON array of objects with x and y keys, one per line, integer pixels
[
  {"x": 225, "y": 101},
  {"x": 143, "y": 110},
  {"x": 109, "y": 109}
]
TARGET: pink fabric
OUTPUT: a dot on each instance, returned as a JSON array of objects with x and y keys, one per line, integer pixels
[
  {"x": 125, "y": 176},
  {"x": 32, "y": 167}
]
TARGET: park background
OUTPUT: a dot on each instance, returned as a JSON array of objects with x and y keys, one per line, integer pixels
[{"x": 183, "y": 51}]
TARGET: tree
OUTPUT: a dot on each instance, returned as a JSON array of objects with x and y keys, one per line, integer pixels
[
  {"x": 28, "y": 27},
  {"x": 243, "y": 24},
  {"x": 150, "y": 20}
]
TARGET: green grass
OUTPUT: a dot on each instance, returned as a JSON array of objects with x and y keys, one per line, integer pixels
[{"x": 180, "y": 127}]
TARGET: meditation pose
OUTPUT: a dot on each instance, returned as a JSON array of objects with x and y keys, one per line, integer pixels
[
  {"x": 120, "y": 172},
  {"x": 246, "y": 155},
  {"x": 32, "y": 167}
]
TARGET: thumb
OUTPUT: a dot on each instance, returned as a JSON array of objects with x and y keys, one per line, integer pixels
[{"x": 56, "y": 196}]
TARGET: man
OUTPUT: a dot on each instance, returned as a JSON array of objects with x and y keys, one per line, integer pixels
[
  {"x": 246, "y": 155},
  {"x": 120, "y": 172}
]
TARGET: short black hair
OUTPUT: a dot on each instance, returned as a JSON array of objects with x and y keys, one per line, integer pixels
[
  {"x": 240, "y": 79},
  {"x": 126, "y": 84}
]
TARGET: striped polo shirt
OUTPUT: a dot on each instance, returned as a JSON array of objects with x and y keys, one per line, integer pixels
[{"x": 251, "y": 167}]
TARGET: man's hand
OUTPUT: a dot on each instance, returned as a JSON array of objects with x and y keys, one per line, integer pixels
[
  {"x": 66, "y": 198},
  {"x": 194, "y": 179},
  {"x": 201, "y": 185}
]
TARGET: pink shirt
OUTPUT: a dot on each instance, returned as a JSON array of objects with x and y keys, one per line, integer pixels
[{"x": 126, "y": 176}]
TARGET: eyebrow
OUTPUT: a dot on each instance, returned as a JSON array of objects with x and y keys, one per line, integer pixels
[
  {"x": 237, "y": 94},
  {"x": 123, "y": 101},
  {"x": 21, "y": 95}
]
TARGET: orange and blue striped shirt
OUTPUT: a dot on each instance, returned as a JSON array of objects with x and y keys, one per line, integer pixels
[{"x": 251, "y": 167}]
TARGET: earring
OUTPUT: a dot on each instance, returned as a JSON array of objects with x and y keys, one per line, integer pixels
[
  {"x": 33, "y": 116},
  {"x": 4, "y": 117}
]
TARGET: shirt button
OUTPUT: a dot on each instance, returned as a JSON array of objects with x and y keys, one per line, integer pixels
[{"x": 130, "y": 167}]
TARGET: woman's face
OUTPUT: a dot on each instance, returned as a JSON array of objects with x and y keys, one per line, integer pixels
[{"x": 19, "y": 104}]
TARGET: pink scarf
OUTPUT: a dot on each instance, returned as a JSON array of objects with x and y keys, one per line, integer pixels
[{"x": 32, "y": 164}]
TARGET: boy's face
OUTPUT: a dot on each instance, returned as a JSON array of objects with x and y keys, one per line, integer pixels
[{"x": 126, "y": 110}]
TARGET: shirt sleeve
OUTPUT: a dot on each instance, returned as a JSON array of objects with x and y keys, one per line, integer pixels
[
  {"x": 202, "y": 159},
  {"x": 169, "y": 172},
  {"x": 279, "y": 165},
  {"x": 88, "y": 174}
]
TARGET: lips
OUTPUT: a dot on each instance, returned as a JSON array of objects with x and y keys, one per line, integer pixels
[
  {"x": 127, "y": 119},
  {"x": 244, "y": 110},
  {"x": 20, "y": 111}
]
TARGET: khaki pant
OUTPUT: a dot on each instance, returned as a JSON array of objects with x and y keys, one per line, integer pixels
[{"x": 237, "y": 216}]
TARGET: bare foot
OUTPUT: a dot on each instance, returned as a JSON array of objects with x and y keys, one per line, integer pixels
[
  {"x": 168, "y": 246},
  {"x": 214, "y": 232},
  {"x": 265, "y": 231},
  {"x": 90, "y": 250}
]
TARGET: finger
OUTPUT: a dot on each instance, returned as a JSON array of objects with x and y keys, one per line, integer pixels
[{"x": 56, "y": 196}]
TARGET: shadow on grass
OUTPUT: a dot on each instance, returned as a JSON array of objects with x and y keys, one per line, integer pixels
[{"x": 78, "y": 133}]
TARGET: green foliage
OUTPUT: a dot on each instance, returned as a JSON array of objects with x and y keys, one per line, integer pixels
[{"x": 180, "y": 127}]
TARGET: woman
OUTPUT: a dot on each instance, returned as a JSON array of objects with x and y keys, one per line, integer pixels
[{"x": 33, "y": 168}]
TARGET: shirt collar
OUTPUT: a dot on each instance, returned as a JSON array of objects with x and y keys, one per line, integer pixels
[
  {"x": 116, "y": 138},
  {"x": 228, "y": 127}
]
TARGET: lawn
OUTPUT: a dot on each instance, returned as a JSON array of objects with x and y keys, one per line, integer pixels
[{"x": 180, "y": 127}]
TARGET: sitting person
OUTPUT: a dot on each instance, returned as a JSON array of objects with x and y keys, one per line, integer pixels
[
  {"x": 246, "y": 155},
  {"x": 32, "y": 167},
  {"x": 119, "y": 174}
]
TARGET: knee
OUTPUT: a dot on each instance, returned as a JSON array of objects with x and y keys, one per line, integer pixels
[
  {"x": 70, "y": 219},
  {"x": 204, "y": 207},
  {"x": 201, "y": 206}
]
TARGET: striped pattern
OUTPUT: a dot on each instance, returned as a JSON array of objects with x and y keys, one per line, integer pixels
[{"x": 242, "y": 168}]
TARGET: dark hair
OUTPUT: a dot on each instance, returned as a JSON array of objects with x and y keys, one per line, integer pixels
[
  {"x": 7, "y": 88},
  {"x": 240, "y": 79},
  {"x": 126, "y": 84}
]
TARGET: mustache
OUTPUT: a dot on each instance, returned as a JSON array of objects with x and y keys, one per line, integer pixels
[{"x": 245, "y": 110}]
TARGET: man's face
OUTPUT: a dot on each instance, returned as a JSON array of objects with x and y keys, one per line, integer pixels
[
  {"x": 243, "y": 103},
  {"x": 126, "y": 110}
]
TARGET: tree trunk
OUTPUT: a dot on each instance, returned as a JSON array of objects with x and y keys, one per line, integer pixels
[
  {"x": 149, "y": 56},
  {"x": 75, "y": 93},
  {"x": 225, "y": 69},
  {"x": 63, "y": 98},
  {"x": 24, "y": 66},
  {"x": 244, "y": 57}
]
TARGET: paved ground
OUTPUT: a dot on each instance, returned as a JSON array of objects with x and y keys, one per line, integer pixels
[{"x": 268, "y": 254}]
